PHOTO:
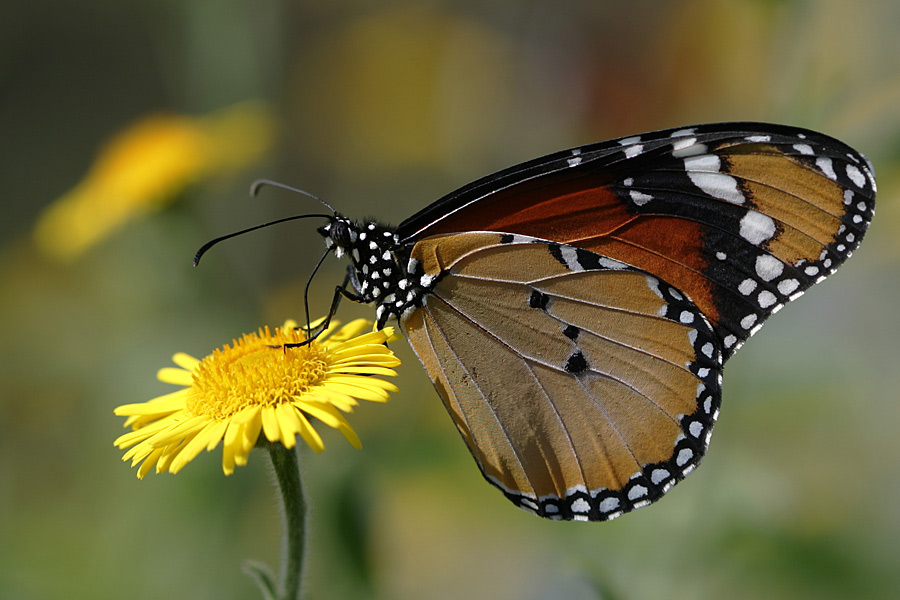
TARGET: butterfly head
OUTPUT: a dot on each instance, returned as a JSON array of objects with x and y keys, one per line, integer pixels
[{"x": 340, "y": 234}]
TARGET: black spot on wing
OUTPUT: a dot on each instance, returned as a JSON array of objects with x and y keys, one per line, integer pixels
[
  {"x": 538, "y": 300},
  {"x": 576, "y": 363}
]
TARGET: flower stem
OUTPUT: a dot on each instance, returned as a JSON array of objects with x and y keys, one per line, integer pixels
[{"x": 287, "y": 469}]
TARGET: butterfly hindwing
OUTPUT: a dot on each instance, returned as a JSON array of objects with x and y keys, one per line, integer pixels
[
  {"x": 743, "y": 217},
  {"x": 584, "y": 388}
]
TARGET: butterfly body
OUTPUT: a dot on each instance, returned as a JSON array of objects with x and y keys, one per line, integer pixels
[
  {"x": 574, "y": 312},
  {"x": 379, "y": 266}
]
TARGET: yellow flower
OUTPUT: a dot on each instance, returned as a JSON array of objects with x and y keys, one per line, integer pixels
[
  {"x": 144, "y": 167},
  {"x": 258, "y": 384}
]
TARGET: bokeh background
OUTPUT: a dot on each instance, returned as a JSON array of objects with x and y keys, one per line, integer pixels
[{"x": 130, "y": 132}]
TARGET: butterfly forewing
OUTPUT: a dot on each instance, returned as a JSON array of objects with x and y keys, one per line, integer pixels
[
  {"x": 742, "y": 217},
  {"x": 583, "y": 388}
]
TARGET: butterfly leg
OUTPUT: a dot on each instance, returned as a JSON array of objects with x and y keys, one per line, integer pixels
[{"x": 340, "y": 291}]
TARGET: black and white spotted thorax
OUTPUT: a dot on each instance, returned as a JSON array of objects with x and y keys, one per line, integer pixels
[{"x": 380, "y": 269}]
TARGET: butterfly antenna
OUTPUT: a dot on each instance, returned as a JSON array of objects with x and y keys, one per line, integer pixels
[
  {"x": 259, "y": 183},
  {"x": 306, "y": 295},
  {"x": 215, "y": 241}
]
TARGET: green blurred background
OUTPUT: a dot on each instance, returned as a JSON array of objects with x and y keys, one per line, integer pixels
[{"x": 381, "y": 111}]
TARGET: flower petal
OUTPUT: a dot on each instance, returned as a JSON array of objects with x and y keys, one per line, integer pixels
[
  {"x": 185, "y": 361},
  {"x": 350, "y": 434},
  {"x": 386, "y": 360},
  {"x": 369, "y": 370},
  {"x": 190, "y": 426},
  {"x": 348, "y": 331},
  {"x": 162, "y": 405},
  {"x": 289, "y": 423},
  {"x": 369, "y": 383},
  {"x": 194, "y": 447},
  {"x": 251, "y": 434},
  {"x": 270, "y": 424},
  {"x": 323, "y": 412},
  {"x": 149, "y": 462},
  {"x": 217, "y": 432},
  {"x": 309, "y": 434},
  {"x": 175, "y": 376},
  {"x": 363, "y": 393}
]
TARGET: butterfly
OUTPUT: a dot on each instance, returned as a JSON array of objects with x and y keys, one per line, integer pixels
[{"x": 574, "y": 312}]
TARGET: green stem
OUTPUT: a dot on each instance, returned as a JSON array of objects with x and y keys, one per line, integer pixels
[{"x": 287, "y": 470}]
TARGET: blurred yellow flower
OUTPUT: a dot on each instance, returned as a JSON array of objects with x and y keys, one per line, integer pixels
[
  {"x": 143, "y": 168},
  {"x": 259, "y": 384}
]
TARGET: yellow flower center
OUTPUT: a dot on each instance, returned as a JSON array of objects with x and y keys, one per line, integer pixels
[{"x": 257, "y": 370}]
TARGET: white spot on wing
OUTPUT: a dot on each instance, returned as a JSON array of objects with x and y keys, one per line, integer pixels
[
  {"x": 684, "y": 147},
  {"x": 766, "y": 299},
  {"x": 653, "y": 284},
  {"x": 682, "y": 132},
  {"x": 696, "y": 428},
  {"x": 580, "y": 506},
  {"x": 610, "y": 263},
  {"x": 640, "y": 198},
  {"x": 747, "y": 286},
  {"x": 704, "y": 172},
  {"x": 804, "y": 149},
  {"x": 787, "y": 287},
  {"x": 856, "y": 176},
  {"x": 709, "y": 163},
  {"x": 637, "y": 491},
  {"x": 768, "y": 267},
  {"x": 609, "y": 504},
  {"x": 718, "y": 185},
  {"x": 570, "y": 256},
  {"x": 632, "y": 151},
  {"x": 824, "y": 164},
  {"x": 756, "y": 227}
]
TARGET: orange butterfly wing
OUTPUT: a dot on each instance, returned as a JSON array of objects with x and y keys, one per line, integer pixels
[{"x": 583, "y": 388}]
